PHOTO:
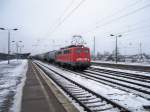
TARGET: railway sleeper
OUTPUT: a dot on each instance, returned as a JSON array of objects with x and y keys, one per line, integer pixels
[
  {"x": 66, "y": 84},
  {"x": 76, "y": 89},
  {"x": 96, "y": 104},
  {"x": 102, "y": 108},
  {"x": 90, "y": 101},
  {"x": 76, "y": 92},
  {"x": 71, "y": 87},
  {"x": 86, "y": 99},
  {"x": 81, "y": 97},
  {"x": 81, "y": 94},
  {"x": 147, "y": 107}
]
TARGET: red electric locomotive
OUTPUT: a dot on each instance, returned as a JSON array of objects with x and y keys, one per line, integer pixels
[{"x": 76, "y": 56}]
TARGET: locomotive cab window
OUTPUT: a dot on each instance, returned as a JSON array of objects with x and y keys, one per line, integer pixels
[
  {"x": 59, "y": 52},
  {"x": 86, "y": 50},
  {"x": 78, "y": 50},
  {"x": 69, "y": 51},
  {"x": 66, "y": 51}
]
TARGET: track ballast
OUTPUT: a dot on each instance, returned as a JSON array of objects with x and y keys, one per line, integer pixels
[{"x": 89, "y": 100}]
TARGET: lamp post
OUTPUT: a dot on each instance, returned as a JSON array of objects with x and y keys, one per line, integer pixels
[
  {"x": 116, "y": 49},
  {"x": 17, "y": 47},
  {"x": 94, "y": 49},
  {"x": 21, "y": 48},
  {"x": 8, "y": 39}
]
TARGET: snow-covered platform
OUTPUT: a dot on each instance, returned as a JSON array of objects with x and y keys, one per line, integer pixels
[
  {"x": 12, "y": 78},
  {"x": 40, "y": 95},
  {"x": 22, "y": 89}
]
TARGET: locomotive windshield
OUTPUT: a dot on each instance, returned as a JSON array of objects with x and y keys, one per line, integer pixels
[
  {"x": 79, "y": 50},
  {"x": 86, "y": 50},
  {"x": 82, "y": 51}
]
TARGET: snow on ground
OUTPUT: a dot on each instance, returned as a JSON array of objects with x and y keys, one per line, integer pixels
[
  {"x": 126, "y": 99},
  {"x": 12, "y": 79},
  {"x": 123, "y": 63}
]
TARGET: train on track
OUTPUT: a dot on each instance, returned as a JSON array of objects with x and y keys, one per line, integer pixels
[{"x": 73, "y": 56}]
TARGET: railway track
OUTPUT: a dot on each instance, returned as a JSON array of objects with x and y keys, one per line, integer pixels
[
  {"x": 123, "y": 66},
  {"x": 134, "y": 83},
  {"x": 124, "y": 74},
  {"x": 130, "y": 82},
  {"x": 139, "y": 85},
  {"x": 89, "y": 100}
]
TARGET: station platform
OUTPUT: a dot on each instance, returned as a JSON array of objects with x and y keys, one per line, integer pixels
[{"x": 38, "y": 96}]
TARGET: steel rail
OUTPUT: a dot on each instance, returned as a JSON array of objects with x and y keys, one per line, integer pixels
[
  {"x": 101, "y": 80},
  {"x": 121, "y": 108},
  {"x": 123, "y": 73}
]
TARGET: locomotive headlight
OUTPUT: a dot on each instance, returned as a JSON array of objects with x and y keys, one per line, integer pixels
[{"x": 82, "y": 59}]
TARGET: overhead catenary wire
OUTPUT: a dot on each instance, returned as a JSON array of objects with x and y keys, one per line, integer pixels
[
  {"x": 120, "y": 17},
  {"x": 119, "y": 11},
  {"x": 132, "y": 26},
  {"x": 66, "y": 9},
  {"x": 114, "y": 19},
  {"x": 67, "y": 16},
  {"x": 59, "y": 18},
  {"x": 125, "y": 15},
  {"x": 115, "y": 13},
  {"x": 134, "y": 29}
]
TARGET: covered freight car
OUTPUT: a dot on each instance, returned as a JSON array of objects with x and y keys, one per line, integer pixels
[
  {"x": 40, "y": 57},
  {"x": 50, "y": 56}
]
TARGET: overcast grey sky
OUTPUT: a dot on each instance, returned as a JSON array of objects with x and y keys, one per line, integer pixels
[{"x": 49, "y": 24}]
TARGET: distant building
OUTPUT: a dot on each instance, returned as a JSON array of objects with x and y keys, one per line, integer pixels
[
  {"x": 22, "y": 55},
  {"x": 4, "y": 56}
]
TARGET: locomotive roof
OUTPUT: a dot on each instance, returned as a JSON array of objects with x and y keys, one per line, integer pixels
[{"x": 72, "y": 46}]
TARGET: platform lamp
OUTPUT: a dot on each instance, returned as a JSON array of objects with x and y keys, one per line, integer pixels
[
  {"x": 8, "y": 40},
  {"x": 17, "y": 47},
  {"x": 116, "y": 49}
]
